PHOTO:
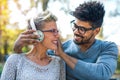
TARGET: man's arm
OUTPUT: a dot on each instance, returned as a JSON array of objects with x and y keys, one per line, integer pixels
[
  {"x": 25, "y": 38},
  {"x": 68, "y": 59},
  {"x": 103, "y": 69}
]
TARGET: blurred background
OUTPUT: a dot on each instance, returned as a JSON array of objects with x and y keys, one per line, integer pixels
[{"x": 14, "y": 15}]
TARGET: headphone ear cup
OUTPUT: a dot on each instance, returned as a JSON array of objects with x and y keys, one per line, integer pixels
[{"x": 40, "y": 33}]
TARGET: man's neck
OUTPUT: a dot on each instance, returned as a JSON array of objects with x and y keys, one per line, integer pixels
[{"x": 85, "y": 47}]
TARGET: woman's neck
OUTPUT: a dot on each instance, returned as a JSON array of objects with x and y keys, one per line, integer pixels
[
  {"x": 38, "y": 55},
  {"x": 39, "y": 52}
]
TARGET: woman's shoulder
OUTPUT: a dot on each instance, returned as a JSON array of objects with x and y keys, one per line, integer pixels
[
  {"x": 56, "y": 57},
  {"x": 15, "y": 57}
]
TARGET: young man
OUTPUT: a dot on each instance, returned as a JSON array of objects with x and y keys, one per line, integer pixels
[{"x": 86, "y": 58}]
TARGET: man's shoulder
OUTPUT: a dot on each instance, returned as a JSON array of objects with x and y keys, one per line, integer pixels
[
  {"x": 50, "y": 52},
  {"x": 67, "y": 43},
  {"x": 108, "y": 46},
  {"x": 105, "y": 43}
]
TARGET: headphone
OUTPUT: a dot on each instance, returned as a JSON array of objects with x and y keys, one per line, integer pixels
[{"x": 38, "y": 32}]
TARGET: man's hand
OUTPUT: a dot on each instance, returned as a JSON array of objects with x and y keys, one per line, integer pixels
[
  {"x": 70, "y": 61},
  {"x": 59, "y": 50},
  {"x": 25, "y": 38}
]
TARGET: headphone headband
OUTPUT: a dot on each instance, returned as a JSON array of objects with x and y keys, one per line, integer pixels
[{"x": 32, "y": 24}]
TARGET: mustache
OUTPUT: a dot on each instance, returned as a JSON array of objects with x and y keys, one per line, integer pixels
[{"x": 79, "y": 35}]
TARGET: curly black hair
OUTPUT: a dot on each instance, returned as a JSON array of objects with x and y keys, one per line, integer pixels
[{"x": 91, "y": 11}]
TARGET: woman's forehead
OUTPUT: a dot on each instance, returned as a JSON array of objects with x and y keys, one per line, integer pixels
[{"x": 50, "y": 25}]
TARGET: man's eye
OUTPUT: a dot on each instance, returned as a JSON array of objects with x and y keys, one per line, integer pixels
[{"x": 82, "y": 29}]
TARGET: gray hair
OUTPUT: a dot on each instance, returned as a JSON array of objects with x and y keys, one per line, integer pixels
[{"x": 43, "y": 18}]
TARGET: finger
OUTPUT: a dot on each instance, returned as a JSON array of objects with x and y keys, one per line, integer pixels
[
  {"x": 59, "y": 43},
  {"x": 30, "y": 41},
  {"x": 30, "y": 31},
  {"x": 30, "y": 36}
]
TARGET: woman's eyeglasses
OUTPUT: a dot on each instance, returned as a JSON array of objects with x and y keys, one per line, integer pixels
[
  {"x": 54, "y": 31},
  {"x": 80, "y": 29}
]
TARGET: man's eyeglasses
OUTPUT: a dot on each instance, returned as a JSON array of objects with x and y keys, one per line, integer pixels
[
  {"x": 80, "y": 29},
  {"x": 54, "y": 31}
]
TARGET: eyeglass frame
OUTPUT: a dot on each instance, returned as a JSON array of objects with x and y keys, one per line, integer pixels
[
  {"x": 81, "y": 29},
  {"x": 54, "y": 31}
]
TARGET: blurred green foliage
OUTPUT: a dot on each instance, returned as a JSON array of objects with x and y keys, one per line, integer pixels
[
  {"x": 7, "y": 35},
  {"x": 1, "y": 67},
  {"x": 118, "y": 65}
]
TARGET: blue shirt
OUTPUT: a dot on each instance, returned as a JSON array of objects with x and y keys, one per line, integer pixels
[{"x": 99, "y": 62}]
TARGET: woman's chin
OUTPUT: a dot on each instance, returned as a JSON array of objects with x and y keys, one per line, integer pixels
[{"x": 53, "y": 48}]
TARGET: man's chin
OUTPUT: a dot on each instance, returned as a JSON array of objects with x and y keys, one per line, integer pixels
[{"x": 78, "y": 43}]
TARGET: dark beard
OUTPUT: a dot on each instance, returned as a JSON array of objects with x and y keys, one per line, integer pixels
[
  {"x": 79, "y": 43},
  {"x": 83, "y": 42}
]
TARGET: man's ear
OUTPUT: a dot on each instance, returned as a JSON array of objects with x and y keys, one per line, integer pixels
[{"x": 97, "y": 30}]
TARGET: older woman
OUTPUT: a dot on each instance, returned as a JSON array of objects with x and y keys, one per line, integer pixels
[{"x": 36, "y": 64}]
